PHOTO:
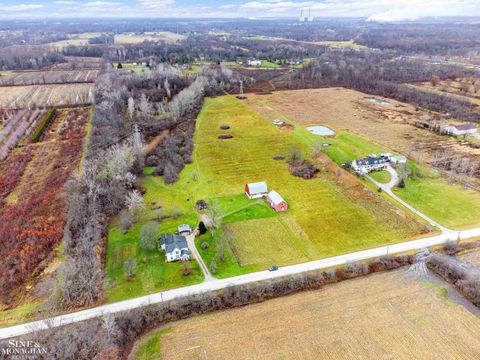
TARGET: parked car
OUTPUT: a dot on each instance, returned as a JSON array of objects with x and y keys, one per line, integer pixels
[{"x": 273, "y": 268}]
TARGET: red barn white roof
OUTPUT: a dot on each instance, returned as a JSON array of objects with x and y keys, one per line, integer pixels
[
  {"x": 257, "y": 188},
  {"x": 275, "y": 197}
]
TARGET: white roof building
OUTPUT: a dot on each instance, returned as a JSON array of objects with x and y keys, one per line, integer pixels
[{"x": 256, "y": 190}]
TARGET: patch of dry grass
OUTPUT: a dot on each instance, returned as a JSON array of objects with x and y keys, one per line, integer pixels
[{"x": 382, "y": 316}]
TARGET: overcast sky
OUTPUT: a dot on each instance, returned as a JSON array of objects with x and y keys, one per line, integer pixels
[{"x": 382, "y": 10}]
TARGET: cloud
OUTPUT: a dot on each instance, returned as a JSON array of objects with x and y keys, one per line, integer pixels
[
  {"x": 374, "y": 10},
  {"x": 100, "y": 4},
  {"x": 19, "y": 8},
  {"x": 156, "y": 4}
]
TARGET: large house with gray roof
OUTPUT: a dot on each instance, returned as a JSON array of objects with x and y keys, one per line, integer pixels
[
  {"x": 175, "y": 247},
  {"x": 370, "y": 163}
]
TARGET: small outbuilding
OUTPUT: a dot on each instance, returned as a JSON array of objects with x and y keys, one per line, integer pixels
[
  {"x": 277, "y": 203},
  {"x": 256, "y": 190},
  {"x": 184, "y": 229},
  {"x": 464, "y": 129},
  {"x": 399, "y": 159}
]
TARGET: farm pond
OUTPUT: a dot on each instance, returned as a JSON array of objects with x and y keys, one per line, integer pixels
[{"x": 320, "y": 130}]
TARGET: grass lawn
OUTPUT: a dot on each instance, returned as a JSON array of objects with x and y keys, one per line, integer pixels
[
  {"x": 149, "y": 346},
  {"x": 230, "y": 266},
  {"x": 269, "y": 65},
  {"x": 450, "y": 205},
  {"x": 347, "y": 147},
  {"x": 342, "y": 44},
  {"x": 153, "y": 273},
  {"x": 19, "y": 314},
  {"x": 381, "y": 176}
]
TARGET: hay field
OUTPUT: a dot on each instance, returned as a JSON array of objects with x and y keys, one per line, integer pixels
[
  {"x": 46, "y": 95},
  {"x": 328, "y": 215},
  {"x": 390, "y": 125},
  {"x": 166, "y": 36},
  {"x": 382, "y": 316}
]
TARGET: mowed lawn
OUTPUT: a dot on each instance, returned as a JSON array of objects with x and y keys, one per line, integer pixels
[
  {"x": 153, "y": 273},
  {"x": 450, "y": 205},
  {"x": 321, "y": 220}
]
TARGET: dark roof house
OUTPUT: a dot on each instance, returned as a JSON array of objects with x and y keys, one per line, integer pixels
[{"x": 175, "y": 247}]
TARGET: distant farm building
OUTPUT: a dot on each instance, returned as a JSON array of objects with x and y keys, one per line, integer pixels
[
  {"x": 370, "y": 163},
  {"x": 256, "y": 190},
  {"x": 458, "y": 130},
  {"x": 175, "y": 247},
  {"x": 276, "y": 201},
  {"x": 254, "y": 62}
]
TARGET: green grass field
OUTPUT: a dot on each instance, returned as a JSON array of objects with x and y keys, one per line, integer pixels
[
  {"x": 149, "y": 346},
  {"x": 450, "y": 205},
  {"x": 324, "y": 221},
  {"x": 153, "y": 273},
  {"x": 381, "y": 176}
]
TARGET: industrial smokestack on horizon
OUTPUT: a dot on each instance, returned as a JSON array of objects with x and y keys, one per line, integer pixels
[{"x": 308, "y": 18}]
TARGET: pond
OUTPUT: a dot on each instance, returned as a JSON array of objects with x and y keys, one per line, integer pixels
[
  {"x": 320, "y": 130},
  {"x": 378, "y": 100}
]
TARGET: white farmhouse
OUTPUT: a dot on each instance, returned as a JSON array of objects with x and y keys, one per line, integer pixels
[
  {"x": 254, "y": 62},
  {"x": 370, "y": 163},
  {"x": 175, "y": 247}
]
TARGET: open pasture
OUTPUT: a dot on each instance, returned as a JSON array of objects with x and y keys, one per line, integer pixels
[
  {"x": 326, "y": 216},
  {"x": 165, "y": 36},
  {"x": 389, "y": 124},
  {"x": 48, "y": 77},
  {"x": 383, "y": 316},
  {"x": 450, "y": 205},
  {"x": 19, "y": 97}
]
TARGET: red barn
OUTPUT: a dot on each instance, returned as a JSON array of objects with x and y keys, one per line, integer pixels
[
  {"x": 256, "y": 190},
  {"x": 276, "y": 201}
]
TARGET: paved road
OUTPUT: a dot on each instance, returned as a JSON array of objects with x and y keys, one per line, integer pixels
[
  {"x": 212, "y": 284},
  {"x": 238, "y": 280}
]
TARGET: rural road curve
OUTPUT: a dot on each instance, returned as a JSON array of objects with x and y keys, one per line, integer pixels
[{"x": 216, "y": 284}]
